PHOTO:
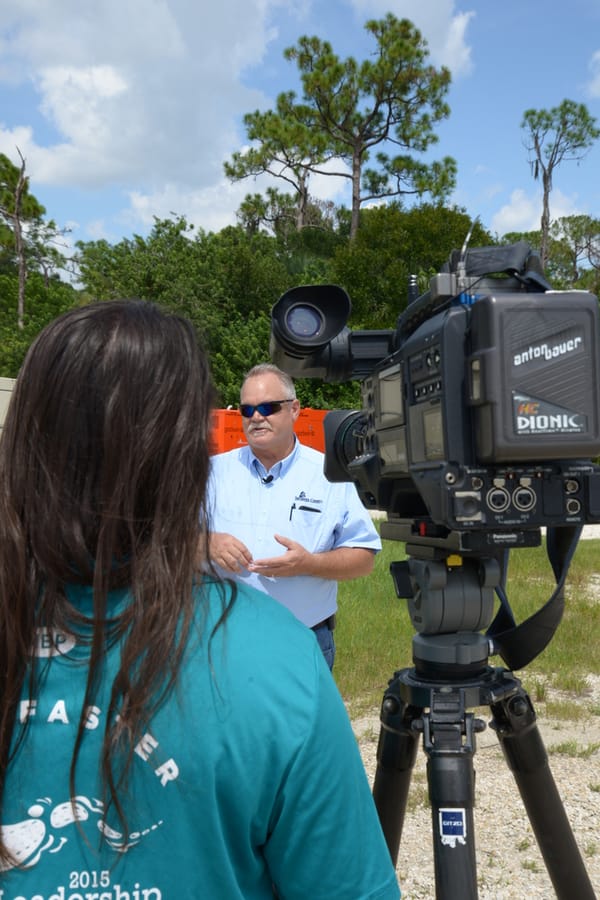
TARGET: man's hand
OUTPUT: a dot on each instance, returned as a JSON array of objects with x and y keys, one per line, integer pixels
[
  {"x": 229, "y": 552},
  {"x": 295, "y": 561},
  {"x": 339, "y": 564}
]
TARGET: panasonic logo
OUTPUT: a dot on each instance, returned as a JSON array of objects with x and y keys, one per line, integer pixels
[{"x": 547, "y": 352}]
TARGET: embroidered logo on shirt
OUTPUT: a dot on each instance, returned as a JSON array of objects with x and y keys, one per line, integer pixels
[
  {"x": 305, "y": 503},
  {"x": 304, "y": 498}
]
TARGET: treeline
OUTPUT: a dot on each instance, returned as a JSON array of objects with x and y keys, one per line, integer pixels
[{"x": 227, "y": 282}]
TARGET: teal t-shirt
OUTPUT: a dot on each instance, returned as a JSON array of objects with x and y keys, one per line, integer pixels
[{"x": 248, "y": 777}]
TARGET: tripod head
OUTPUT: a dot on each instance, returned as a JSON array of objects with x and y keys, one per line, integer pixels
[{"x": 451, "y": 580}]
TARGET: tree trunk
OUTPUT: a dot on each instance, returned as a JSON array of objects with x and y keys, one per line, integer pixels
[
  {"x": 545, "y": 222},
  {"x": 356, "y": 172},
  {"x": 20, "y": 246},
  {"x": 302, "y": 202}
]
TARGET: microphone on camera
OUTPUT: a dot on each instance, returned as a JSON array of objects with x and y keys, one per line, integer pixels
[{"x": 267, "y": 480}]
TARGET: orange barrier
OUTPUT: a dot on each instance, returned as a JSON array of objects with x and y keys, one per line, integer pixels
[{"x": 227, "y": 431}]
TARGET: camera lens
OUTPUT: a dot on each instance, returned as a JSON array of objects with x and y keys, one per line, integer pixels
[{"x": 304, "y": 321}]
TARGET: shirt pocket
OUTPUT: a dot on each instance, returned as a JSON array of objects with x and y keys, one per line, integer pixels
[{"x": 312, "y": 527}]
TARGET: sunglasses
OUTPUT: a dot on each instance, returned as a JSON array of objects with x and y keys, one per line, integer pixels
[{"x": 268, "y": 408}]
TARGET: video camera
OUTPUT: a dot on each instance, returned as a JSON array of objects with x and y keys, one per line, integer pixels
[
  {"x": 480, "y": 411},
  {"x": 479, "y": 424}
]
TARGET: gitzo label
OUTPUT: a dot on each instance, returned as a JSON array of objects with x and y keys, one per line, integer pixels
[
  {"x": 534, "y": 416},
  {"x": 453, "y": 826}
]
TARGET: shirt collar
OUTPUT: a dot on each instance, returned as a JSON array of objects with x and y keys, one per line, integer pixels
[{"x": 279, "y": 469}]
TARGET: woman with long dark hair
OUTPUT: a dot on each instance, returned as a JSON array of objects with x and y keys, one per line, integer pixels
[{"x": 163, "y": 735}]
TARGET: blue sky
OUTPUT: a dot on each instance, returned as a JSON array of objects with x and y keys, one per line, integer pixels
[{"x": 126, "y": 109}]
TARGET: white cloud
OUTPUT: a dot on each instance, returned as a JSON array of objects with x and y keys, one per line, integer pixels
[
  {"x": 562, "y": 205},
  {"x": 328, "y": 187},
  {"x": 11, "y": 138},
  {"x": 142, "y": 91},
  {"x": 454, "y": 52},
  {"x": 523, "y": 211},
  {"x": 593, "y": 86},
  {"x": 76, "y": 101},
  {"x": 95, "y": 230},
  {"x": 213, "y": 206}
]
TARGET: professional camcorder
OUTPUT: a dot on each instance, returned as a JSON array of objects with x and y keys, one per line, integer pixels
[
  {"x": 480, "y": 410},
  {"x": 479, "y": 425}
]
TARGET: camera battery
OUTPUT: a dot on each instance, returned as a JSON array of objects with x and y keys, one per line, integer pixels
[{"x": 533, "y": 372}]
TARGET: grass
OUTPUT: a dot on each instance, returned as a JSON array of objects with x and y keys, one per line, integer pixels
[
  {"x": 573, "y": 749},
  {"x": 374, "y": 633}
]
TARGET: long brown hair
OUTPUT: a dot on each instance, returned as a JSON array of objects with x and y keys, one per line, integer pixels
[{"x": 104, "y": 461}]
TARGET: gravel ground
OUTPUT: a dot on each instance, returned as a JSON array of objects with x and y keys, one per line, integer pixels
[{"x": 509, "y": 863}]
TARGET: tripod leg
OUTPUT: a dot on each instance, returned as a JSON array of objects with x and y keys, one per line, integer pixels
[
  {"x": 396, "y": 754},
  {"x": 514, "y": 721},
  {"x": 448, "y": 740}
]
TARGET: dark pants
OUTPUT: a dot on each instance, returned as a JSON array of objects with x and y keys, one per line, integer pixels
[{"x": 324, "y": 635}]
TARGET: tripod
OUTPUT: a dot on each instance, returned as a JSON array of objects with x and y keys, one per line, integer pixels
[{"x": 451, "y": 675}]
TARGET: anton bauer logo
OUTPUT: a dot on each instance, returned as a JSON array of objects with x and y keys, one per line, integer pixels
[
  {"x": 548, "y": 351},
  {"x": 534, "y": 416}
]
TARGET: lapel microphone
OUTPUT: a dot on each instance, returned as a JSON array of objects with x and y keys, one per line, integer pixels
[{"x": 267, "y": 480}]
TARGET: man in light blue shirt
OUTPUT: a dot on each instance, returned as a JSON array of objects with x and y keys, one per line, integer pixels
[{"x": 277, "y": 523}]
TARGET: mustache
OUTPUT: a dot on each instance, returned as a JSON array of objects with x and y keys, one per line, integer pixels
[{"x": 259, "y": 425}]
